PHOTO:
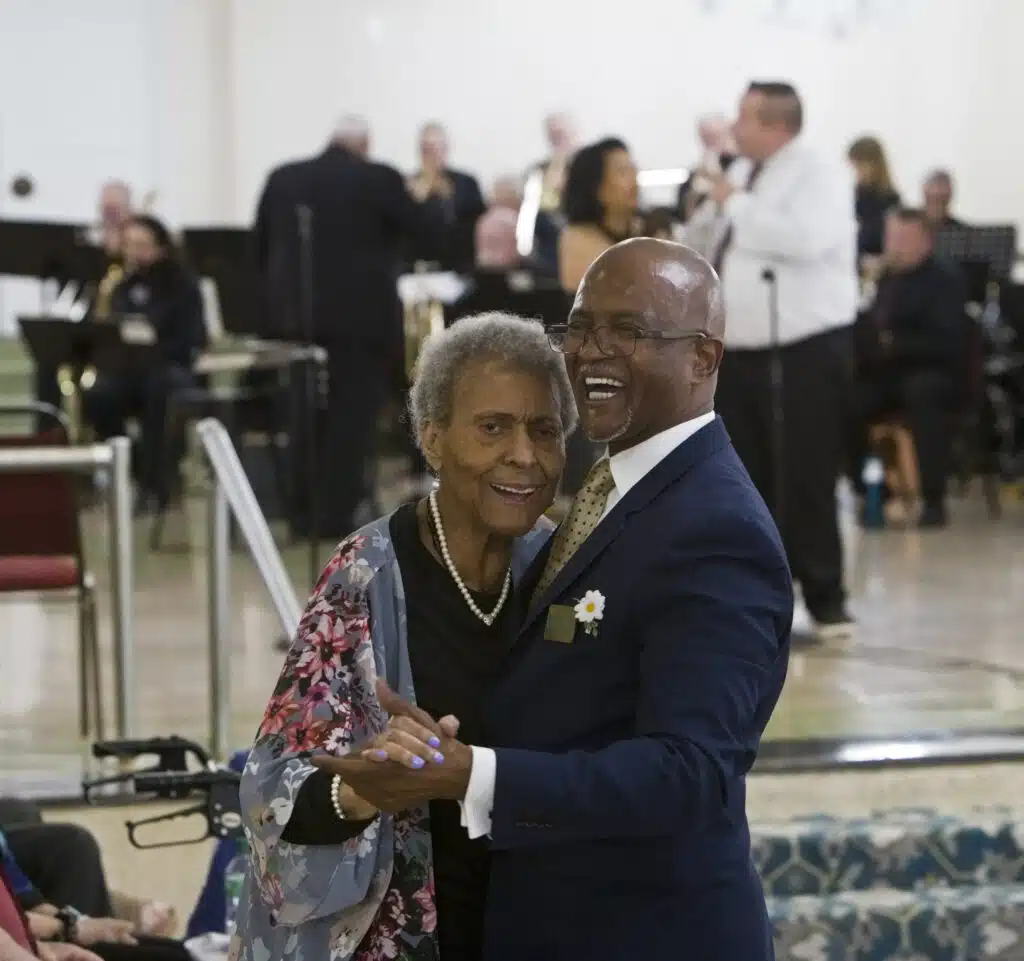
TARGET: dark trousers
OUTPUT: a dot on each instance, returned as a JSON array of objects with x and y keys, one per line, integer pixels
[
  {"x": 63, "y": 862},
  {"x": 142, "y": 394},
  {"x": 923, "y": 400},
  {"x": 815, "y": 399},
  {"x": 359, "y": 382}
]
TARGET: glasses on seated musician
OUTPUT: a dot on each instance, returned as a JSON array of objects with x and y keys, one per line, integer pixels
[{"x": 491, "y": 406}]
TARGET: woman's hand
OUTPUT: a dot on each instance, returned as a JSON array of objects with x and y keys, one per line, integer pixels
[
  {"x": 411, "y": 742},
  {"x": 412, "y": 737},
  {"x": 354, "y": 807}
]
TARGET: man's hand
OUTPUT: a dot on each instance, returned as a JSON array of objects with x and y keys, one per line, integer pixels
[
  {"x": 44, "y": 927},
  {"x": 91, "y": 931},
  {"x": 721, "y": 189},
  {"x": 387, "y": 775}
]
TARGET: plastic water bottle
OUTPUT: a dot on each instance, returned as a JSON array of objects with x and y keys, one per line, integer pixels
[
  {"x": 234, "y": 879},
  {"x": 873, "y": 476}
]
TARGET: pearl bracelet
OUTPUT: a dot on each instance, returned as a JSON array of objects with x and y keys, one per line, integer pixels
[{"x": 336, "y": 785}]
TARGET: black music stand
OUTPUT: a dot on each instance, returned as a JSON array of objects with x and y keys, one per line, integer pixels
[
  {"x": 55, "y": 342},
  {"x": 995, "y": 245}
]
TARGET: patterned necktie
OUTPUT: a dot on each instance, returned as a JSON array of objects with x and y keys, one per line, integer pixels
[
  {"x": 718, "y": 261},
  {"x": 584, "y": 514}
]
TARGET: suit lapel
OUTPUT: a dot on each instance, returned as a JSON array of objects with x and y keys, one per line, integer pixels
[{"x": 692, "y": 451}]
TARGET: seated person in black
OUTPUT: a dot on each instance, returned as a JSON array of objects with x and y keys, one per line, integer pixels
[
  {"x": 910, "y": 353},
  {"x": 157, "y": 289}
]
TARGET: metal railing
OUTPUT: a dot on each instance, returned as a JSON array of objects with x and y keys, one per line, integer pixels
[
  {"x": 114, "y": 460},
  {"x": 232, "y": 494}
]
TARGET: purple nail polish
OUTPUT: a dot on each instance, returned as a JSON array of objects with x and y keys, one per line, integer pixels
[
  {"x": 417, "y": 761},
  {"x": 434, "y": 742},
  {"x": 438, "y": 758},
  {"x": 381, "y": 755}
]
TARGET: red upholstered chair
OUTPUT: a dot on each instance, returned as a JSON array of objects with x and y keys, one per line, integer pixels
[{"x": 41, "y": 551}]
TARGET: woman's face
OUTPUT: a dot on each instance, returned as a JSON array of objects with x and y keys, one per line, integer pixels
[
  {"x": 500, "y": 459},
  {"x": 619, "y": 191},
  {"x": 140, "y": 248}
]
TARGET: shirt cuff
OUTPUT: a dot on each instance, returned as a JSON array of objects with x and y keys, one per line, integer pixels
[{"x": 479, "y": 800}]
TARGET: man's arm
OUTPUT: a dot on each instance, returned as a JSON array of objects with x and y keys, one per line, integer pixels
[
  {"x": 710, "y": 659},
  {"x": 816, "y": 217}
]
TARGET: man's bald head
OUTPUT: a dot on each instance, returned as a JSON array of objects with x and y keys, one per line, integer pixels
[
  {"x": 645, "y": 340},
  {"x": 680, "y": 284}
]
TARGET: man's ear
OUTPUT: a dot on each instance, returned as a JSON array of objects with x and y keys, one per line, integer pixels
[
  {"x": 430, "y": 444},
  {"x": 707, "y": 358}
]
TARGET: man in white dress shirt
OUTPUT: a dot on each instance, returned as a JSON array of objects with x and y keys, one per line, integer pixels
[{"x": 782, "y": 229}]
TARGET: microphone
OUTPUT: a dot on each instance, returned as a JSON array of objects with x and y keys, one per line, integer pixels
[{"x": 768, "y": 275}]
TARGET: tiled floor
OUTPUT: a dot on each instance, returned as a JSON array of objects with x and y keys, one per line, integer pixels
[{"x": 940, "y": 646}]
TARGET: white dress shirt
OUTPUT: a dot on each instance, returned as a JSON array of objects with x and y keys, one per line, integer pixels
[
  {"x": 798, "y": 220},
  {"x": 628, "y": 468}
]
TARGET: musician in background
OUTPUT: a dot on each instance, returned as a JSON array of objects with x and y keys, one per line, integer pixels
[
  {"x": 875, "y": 197},
  {"x": 363, "y": 221},
  {"x": 114, "y": 210},
  {"x": 600, "y": 207},
  {"x": 496, "y": 247},
  {"x": 160, "y": 294},
  {"x": 454, "y": 195},
  {"x": 718, "y": 151},
  {"x": 938, "y": 200},
  {"x": 561, "y": 136}
]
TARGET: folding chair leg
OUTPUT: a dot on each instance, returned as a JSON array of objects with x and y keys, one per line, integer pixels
[
  {"x": 91, "y": 677},
  {"x": 84, "y": 666}
]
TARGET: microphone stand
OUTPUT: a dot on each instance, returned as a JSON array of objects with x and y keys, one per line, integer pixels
[
  {"x": 778, "y": 411},
  {"x": 304, "y": 216}
]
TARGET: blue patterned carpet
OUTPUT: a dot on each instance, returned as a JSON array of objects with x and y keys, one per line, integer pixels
[{"x": 899, "y": 886}]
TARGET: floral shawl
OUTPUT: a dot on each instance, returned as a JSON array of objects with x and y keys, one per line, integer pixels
[{"x": 371, "y": 898}]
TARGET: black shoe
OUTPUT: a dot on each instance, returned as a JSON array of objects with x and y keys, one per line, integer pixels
[
  {"x": 833, "y": 624},
  {"x": 933, "y": 517}
]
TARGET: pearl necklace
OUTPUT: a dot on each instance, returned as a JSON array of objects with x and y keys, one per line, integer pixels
[{"x": 442, "y": 542}]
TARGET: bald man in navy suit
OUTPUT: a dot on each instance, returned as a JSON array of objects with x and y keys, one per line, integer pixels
[{"x": 651, "y": 654}]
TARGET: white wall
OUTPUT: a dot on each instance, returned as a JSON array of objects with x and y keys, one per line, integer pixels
[
  {"x": 927, "y": 82},
  {"x": 199, "y": 98}
]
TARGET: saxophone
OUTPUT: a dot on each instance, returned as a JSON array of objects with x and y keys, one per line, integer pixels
[{"x": 421, "y": 319}]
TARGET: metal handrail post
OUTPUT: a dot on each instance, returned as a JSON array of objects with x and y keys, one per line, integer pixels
[
  {"x": 122, "y": 584},
  {"x": 230, "y": 475},
  {"x": 218, "y": 572}
]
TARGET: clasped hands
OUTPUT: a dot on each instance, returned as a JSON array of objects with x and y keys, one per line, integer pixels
[{"x": 415, "y": 760}]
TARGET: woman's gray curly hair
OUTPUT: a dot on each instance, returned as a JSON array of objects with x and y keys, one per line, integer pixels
[{"x": 514, "y": 340}]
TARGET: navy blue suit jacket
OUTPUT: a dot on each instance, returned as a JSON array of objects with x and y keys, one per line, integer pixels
[{"x": 619, "y": 824}]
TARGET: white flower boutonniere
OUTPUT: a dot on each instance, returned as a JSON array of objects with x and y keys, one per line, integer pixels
[{"x": 589, "y": 610}]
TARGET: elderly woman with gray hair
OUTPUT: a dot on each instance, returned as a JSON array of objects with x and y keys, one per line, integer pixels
[{"x": 422, "y": 600}]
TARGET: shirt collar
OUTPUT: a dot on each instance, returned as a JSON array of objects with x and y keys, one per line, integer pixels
[{"x": 630, "y": 466}]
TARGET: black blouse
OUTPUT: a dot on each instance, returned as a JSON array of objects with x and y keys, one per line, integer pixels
[{"x": 455, "y": 659}]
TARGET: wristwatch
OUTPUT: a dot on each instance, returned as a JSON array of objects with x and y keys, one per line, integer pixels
[{"x": 70, "y": 918}]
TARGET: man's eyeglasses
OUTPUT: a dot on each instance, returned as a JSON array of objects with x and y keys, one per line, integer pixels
[{"x": 612, "y": 340}]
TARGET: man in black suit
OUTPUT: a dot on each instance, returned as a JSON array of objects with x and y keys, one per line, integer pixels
[
  {"x": 452, "y": 196},
  {"x": 911, "y": 345},
  {"x": 938, "y": 200},
  {"x": 360, "y": 220}
]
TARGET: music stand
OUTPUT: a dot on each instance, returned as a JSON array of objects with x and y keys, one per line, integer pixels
[{"x": 995, "y": 245}]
